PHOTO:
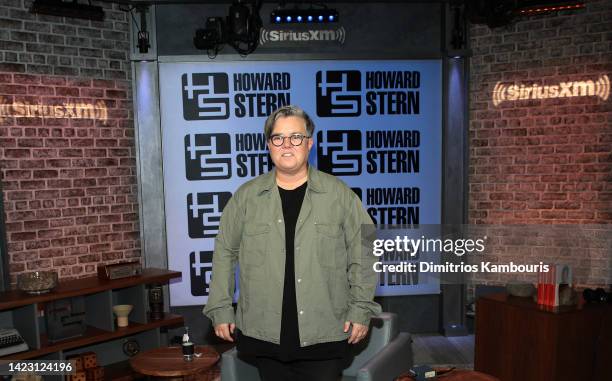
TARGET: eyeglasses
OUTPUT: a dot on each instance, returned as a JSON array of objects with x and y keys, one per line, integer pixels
[{"x": 295, "y": 139}]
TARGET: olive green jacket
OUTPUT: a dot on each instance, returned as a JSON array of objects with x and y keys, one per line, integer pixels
[{"x": 334, "y": 278}]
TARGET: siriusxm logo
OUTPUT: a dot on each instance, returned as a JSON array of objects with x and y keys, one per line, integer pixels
[{"x": 308, "y": 35}]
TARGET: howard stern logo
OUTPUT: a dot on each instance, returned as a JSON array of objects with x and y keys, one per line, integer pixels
[
  {"x": 205, "y": 96},
  {"x": 211, "y": 156},
  {"x": 208, "y": 156},
  {"x": 339, "y": 152},
  {"x": 391, "y": 206},
  {"x": 204, "y": 213},
  {"x": 200, "y": 271},
  {"x": 338, "y": 93},
  {"x": 277, "y": 36}
]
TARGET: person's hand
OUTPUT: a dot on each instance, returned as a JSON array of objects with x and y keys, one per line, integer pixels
[
  {"x": 225, "y": 331},
  {"x": 358, "y": 332}
]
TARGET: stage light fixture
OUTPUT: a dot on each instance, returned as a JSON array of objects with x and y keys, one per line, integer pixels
[
  {"x": 238, "y": 20},
  {"x": 240, "y": 29},
  {"x": 143, "y": 35},
  {"x": 143, "y": 42},
  {"x": 244, "y": 25},
  {"x": 68, "y": 9},
  {"x": 211, "y": 36},
  {"x": 291, "y": 16}
]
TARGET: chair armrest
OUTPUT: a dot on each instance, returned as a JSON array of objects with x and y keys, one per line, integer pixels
[
  {"x": 394, "y": 359},
  {"x": 235, "y": 368},
  {"x": 383, "y": 330}
]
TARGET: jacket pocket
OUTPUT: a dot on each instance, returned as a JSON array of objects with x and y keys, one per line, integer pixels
[
  {"x": 330, "y": 244},
  {"x": 329, "y": 230},
  {"x": 255, "y": 243}
]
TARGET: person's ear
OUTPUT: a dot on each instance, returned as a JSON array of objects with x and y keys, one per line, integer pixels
[{"x": 310, "y": 142}]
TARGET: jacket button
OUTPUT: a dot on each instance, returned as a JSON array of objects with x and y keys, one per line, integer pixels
[
  {"x": 280, "y": 221},
  {"x": 300, "y": 280},
  {"x": 301, "y": 312},
  {"x": 304, "y": 343}
]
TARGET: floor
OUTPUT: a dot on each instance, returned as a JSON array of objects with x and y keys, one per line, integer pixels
[{"x": 438, "y": 350}]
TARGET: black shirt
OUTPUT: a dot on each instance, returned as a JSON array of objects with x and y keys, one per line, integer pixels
[{"x": 289, "y": 348}]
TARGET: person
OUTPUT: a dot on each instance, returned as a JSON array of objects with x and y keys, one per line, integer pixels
[{"x": 306, "y": 283}]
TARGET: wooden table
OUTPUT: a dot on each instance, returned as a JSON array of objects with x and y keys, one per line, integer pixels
[
  {"x": 168, "y": 362},
  {"x": 518, "y": 340}
]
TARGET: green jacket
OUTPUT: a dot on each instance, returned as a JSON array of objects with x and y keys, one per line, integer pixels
[{"x": 334, "y": 278}]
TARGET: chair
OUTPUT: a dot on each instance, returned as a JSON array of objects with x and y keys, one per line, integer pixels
[{"x": 384, "y": 355}]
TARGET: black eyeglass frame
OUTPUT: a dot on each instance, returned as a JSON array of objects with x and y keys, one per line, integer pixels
[{"x": 291, "y": 138}]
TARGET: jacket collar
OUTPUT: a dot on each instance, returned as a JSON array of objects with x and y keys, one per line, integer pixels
[{"x": 268, "y": 181}]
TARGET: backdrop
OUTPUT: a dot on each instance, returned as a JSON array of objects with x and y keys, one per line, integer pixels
[{"x": 378, "y": 127}]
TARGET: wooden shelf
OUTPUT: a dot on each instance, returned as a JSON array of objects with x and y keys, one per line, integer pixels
[
  {"x": 97, "y": 297},
  {"x": 84, "y": 286},
  {"x": 94, "y": 335}
]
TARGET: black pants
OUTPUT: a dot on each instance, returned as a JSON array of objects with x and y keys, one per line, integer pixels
[{"x": 299, "y": 370}]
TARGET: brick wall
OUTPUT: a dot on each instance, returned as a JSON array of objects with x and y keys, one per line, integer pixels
[
  {"x": 67, "y": 154},
  {"x": 542, "y": 161}
]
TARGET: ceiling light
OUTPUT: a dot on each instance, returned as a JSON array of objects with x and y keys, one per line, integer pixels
[{"x": 290, "y": 16}]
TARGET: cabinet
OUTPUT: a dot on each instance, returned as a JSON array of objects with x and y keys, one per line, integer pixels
[
  {"x": 22, "y": 311},
  {"x": 518, "y": 340}
]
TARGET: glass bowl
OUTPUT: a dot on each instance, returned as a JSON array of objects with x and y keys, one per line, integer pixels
[{"x": 37, "y": 282}]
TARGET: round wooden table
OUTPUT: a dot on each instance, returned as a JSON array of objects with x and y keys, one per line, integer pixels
[{"x": 168, "y": 362}]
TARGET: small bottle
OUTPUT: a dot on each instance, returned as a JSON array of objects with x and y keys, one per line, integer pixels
[{"x": 188, "y": 347}]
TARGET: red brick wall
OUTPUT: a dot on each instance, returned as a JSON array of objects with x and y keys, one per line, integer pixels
[
  {"x": 541, "y": 161},
  {"x": 69, "y": 183},
  {"x": 68, "y": 180}
]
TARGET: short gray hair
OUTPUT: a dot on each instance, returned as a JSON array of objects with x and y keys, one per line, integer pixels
[{"x": 284, "y": 112}]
